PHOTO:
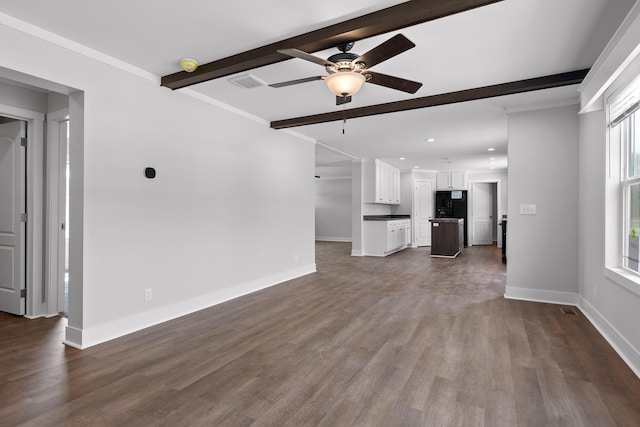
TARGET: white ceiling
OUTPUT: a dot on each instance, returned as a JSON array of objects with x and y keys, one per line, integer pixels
[{"x": 506, "y": 41}]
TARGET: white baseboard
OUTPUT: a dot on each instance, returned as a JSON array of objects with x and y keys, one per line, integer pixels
[
  {"x": 359, "y": 252},
  {"x": 624, "y": 348},
  {"x": 333, "y": 239},
  {"x": 539, "y": 295},
  {"x": 73, "y": 337},
  {"x": 98, "y": 334},
  {"x": 40, "y": 316},
  {"x": 629, "y": 354}
]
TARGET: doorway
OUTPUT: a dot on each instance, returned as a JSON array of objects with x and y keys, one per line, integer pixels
[
  {"x": 13, "y": 215},
  {"x": 423, "y": 211},
  {"x": 484, "y": 212},
  {"x": 63, "y": 106}
]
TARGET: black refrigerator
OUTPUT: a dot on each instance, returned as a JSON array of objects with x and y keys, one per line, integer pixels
[{"x": 453, "y": 204}]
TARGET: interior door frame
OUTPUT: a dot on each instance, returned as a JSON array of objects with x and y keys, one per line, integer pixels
[
  {"x": 36, "y": 295},
  {"x": 498, "y": 183},
  {"x": 55, "y": 201}
]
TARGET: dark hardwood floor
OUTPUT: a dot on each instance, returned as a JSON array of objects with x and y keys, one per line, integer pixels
[{"x": 399, "y": 341}]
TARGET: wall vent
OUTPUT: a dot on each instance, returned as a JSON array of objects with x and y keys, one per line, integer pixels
[
  {"x": 247, "y": 81},
  {"x": 569, "y": 310}
]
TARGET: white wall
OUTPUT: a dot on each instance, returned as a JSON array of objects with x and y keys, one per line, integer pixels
[
  {"x": 611, "y": 306},
  {"x": 333, "y": 209},
  {"x": 542, "y": 249},
  {"x": 231, "y": 209}
]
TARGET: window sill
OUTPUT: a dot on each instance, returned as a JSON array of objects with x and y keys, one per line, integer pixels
[{"x": 627, "y": 280}]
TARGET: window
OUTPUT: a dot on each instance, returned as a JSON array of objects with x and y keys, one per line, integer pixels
[
  {"x": 623, "y": 187},
  {"x": 630, "y": 188}
]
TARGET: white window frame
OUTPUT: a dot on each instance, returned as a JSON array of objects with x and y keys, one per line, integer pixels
[{"x": 617, "y": 193}]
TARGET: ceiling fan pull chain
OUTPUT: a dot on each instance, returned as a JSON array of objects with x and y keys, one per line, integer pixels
[{"x": 344, "y": 120}]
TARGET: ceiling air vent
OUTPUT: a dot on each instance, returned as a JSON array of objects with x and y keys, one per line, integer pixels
[{"x": 247, "y": 81}]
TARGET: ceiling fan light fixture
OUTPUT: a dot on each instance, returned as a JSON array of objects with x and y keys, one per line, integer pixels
[
  {"x": 344, "y": 83},
  {"x": 189, "y": 65}
]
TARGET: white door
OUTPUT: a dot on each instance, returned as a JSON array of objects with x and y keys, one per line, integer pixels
[
  {"x": 12, "y": 225},
  {"x": 423, "y": 202},
  {"x": 482, "y": 212}
]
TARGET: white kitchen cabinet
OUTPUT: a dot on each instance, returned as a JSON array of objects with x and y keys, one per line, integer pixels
[
  {"x": 382, "y": 183},
  {"x": 382, "y": 238},
  {"x": 454, "y": 180}
]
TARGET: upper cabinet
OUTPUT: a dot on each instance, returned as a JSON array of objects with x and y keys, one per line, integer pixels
[
  {"x": 451, "y": 180},
  {"x": 382, "y": 183}
]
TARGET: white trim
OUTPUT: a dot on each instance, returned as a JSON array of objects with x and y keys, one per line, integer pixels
[
  {"x": 622, "y": 346},
  {"x": 619, "y": 52},
  {"x": 20, "y": 113},
  {"x": 135, "y": 322},
  {"x": 297, "y": 135},
  {"x": 540, "y": 295},
  {"x": 42, "y": 316},
  {"x": 55, "y": 200},
  {"x": 623, "y": 278},
  {"x": 73, "y": 337},
  {"x": 73, "y": 46},
  {"x": 333, "y": 239},
  {"x": 335, "y": 150},
  {"x": 58, "y": 116},
  {"x": 545, "y": 105},
  {"x": 357, "y": 253},
  {"x": 212, "y": 101}
]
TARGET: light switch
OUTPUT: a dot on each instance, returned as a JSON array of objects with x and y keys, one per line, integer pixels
[{"x": 527, "y": 209}]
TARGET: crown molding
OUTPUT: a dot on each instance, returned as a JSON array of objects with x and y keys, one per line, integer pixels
[
  {"x": 73, "y": 46},
  {"x": 621, "y": 50}
]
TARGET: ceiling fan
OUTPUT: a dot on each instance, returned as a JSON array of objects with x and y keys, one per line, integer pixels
[{"x": 348, "y": 71}]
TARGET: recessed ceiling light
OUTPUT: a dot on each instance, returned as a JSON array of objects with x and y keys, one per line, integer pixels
[
  {"x": 431, "y": 140},
  {"x": 491, "y": 167},
  {"x": 492, "y": 158},
  {"x": 401, "y": 158},
  {"x": 491, "y": 149},
  {"x": 416, "y": 167}
]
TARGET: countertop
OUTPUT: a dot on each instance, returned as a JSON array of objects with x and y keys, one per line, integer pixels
[
  {"x": 384, "y": 217},
  {"x": 446, "y": 220}
]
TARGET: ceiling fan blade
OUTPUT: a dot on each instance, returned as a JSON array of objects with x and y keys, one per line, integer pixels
[
  {"x": 306, "y": 56},
  {"x": 392, "y": 47},
  {"x": 392, "y": 82},
  {"x": 295, "y": 82}
]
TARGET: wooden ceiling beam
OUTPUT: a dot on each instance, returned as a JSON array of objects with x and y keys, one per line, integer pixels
[
  {"x": 520, "y": 86},
  {"x": 383, "y": 21}
]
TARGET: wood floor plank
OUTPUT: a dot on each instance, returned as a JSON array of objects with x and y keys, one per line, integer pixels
[{"x": 405, "y": 340}]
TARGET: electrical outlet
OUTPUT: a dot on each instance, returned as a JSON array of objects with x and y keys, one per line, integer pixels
[
  {"x": 527, "y": 209},
  {"x": 147, "y": 294}
]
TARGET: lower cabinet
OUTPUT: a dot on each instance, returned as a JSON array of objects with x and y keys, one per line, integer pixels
[{"x": 382, "y": 238}]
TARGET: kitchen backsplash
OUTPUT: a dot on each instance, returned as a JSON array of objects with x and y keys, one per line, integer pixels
[{"x": 376, "y": 209}]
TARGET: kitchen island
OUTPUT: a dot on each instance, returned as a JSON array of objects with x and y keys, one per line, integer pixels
[{"x": 447, "y": 237}]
